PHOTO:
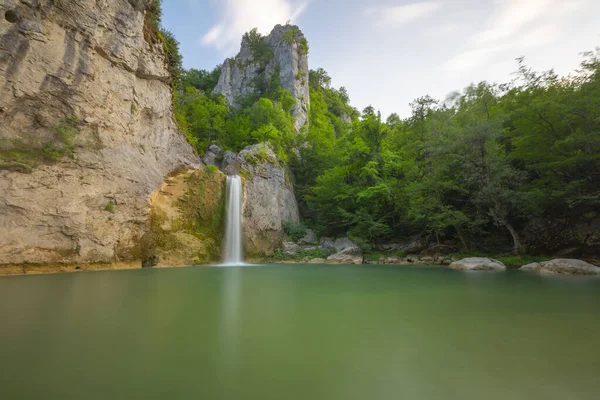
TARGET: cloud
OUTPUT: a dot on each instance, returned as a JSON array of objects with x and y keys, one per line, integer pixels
[
  {"x": 240, "y": 16},
  {"x": 403, "y": 15},
  {"x": 515, "y": 25}
]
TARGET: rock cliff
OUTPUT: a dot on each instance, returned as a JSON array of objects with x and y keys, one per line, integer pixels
[
  {"x": 283, "y": 52},
  {"x": 269, "y": 199},
  {"x": 86, "y": 130}
]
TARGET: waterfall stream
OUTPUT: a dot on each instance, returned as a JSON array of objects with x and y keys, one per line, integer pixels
[{"x": 233, "y": 249}]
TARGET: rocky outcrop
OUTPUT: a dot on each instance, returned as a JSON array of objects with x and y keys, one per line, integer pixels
[
  {"x": 347, "y": 252},
  {"x": 478, "y": 264},
  {"x": 569, "y": 237},
  {"x": 269, "y": 199},
  {"x": 186, "y": 219},
  {"x": 309, "y": 239},
  {"x": 563, "y": 266},
  {"x": 352, "y": 255},
  {"x": 86, "y": 130},
  {"x": 283, "y": 52}
]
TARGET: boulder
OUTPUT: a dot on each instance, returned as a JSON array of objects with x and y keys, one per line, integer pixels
[
  {"x": 343, "y": 244},
  {"x": 350, "y": 255},
  {"x": 229, "y": 163},
  {"x": 478, "y": 264},
  {"x": 309, "y": 238},
  {"x": 290, "y": 248},
  {"x": 327, "y": 245},
  {"x": 212, "y": 155},
  {"x": 563, "y": 266}
]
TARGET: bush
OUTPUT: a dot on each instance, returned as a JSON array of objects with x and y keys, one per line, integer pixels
[{"x": 295, "y": 231}]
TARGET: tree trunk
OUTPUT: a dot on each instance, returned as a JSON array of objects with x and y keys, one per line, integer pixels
[
  {"x": 462, "y": 238},
  {"x": 517, "y": 246}
]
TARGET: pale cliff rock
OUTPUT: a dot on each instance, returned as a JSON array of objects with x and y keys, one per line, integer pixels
[
  {"x": 239, "y": 75},
  {"x": 269, "y": 199},
  {"x": 84, "y": 197}
]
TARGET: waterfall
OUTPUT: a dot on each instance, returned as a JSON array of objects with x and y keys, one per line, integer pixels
[{"x": 233, "y": 225}]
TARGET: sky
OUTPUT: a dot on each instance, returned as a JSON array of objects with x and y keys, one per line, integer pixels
[{"x": 389, "y": 52}]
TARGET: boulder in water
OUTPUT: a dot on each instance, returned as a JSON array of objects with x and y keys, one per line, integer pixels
[
  {"x": 478, "y": 264},
  {"x": 563, "y": 266}
]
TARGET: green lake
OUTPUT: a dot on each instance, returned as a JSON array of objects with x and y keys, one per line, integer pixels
[{"x": 292, "y": 332}]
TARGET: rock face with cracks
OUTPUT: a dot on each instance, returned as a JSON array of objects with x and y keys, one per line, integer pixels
[
  {"x": 283, "y": 56},
  {"x": 86, "y": 130}
]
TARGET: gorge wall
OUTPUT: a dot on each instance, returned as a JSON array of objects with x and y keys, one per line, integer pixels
[
  {"x": 284, "y": 53},
  {"x": 86, "y": 130},
  {"x": 269, "y": 198}
]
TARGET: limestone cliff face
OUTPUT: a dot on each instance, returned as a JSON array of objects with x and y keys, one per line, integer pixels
[
  {"x": 269, "y": 199},
  {"x": 241, "y": 75},
  {"x": 186, "y": 219},
  {"x": 86, "y": 130}
]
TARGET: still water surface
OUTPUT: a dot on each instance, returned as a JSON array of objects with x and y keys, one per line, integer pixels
[{"x": 299, "y": 332}]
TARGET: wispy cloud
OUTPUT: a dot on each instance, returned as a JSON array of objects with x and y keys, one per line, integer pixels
[
  {"x": 402, "y": 15},
  {"x": 240, "y": 16},
  {"x": 515, "y": 25}
]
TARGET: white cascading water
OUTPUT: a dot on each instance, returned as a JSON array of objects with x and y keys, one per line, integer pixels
[{"x": 233, "y": 250}]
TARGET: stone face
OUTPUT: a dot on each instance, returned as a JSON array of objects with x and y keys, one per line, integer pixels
[
  {"x": 269, "y": 199},
  {"x": 290, "y": 248},
  {"x": 212, "y": 155},
  {"x": 186, "y": 219},
  {"x": 569, "y": 237},
  {"x": 563, "y": 266},
  {"x": 343, "y": 244},
  {"x": 478, "y": 264},
  {"x": 350, "y": 255},
  {"x": 310, "y": 238},
  {"x": 239, "y": 74},
  {"x": 76, "y": 58}
]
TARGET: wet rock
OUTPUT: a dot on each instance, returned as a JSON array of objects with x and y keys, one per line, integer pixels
[
  {"x": 563, "y": 266},
  {"x": 478, "y": 264},
  {"x": 317, "y": 261}
]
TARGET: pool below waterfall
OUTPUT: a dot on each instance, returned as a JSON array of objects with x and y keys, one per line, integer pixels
[{"x": 299, "y": 332}]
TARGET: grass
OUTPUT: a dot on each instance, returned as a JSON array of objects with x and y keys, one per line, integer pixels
[
  {"x": 23, "y": 156},
  {"x": 110, "y": 206}
]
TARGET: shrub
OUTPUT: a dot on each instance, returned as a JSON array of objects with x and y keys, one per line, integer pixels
[
  {"x": 110, "y": 206},
  {"x": 295, "y": 231}
]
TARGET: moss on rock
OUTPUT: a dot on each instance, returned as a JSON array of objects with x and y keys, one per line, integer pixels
[{"x": 185, "y": 226}]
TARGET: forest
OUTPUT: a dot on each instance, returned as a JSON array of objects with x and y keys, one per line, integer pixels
[{"x": 487, "y": 168}]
